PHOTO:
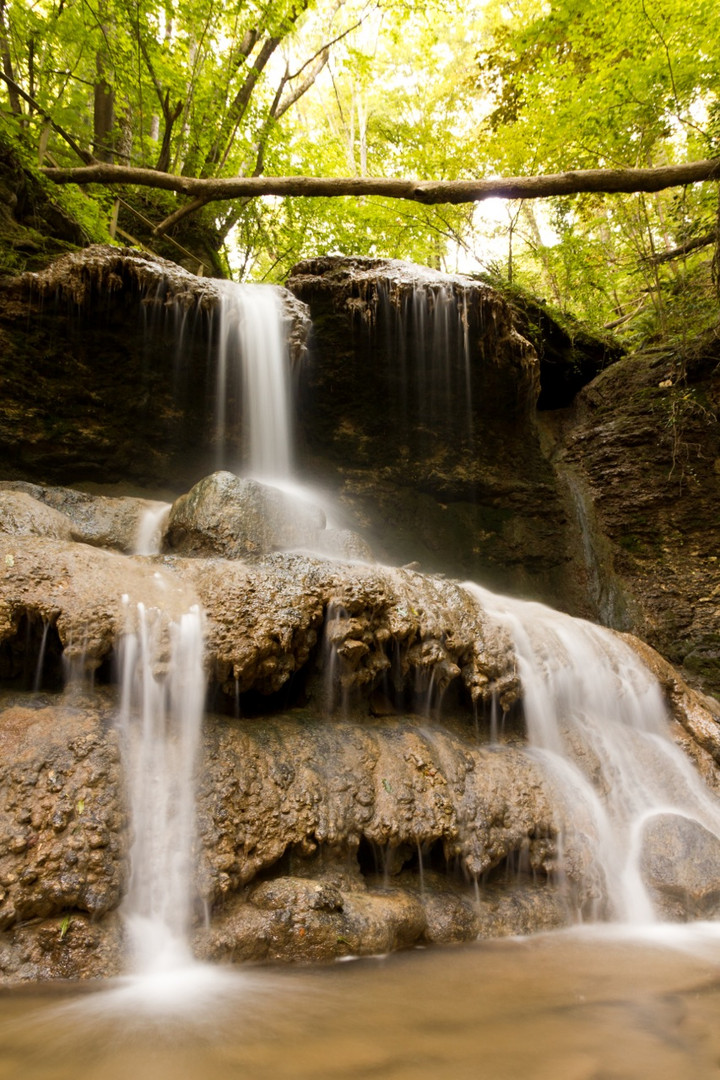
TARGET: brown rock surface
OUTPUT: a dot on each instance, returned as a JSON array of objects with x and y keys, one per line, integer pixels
[
  {"x": 107, "y": 373},
  {"x": 643, "y": 443}
]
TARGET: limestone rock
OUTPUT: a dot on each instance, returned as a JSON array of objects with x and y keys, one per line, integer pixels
[
  {"x": 228, "y": 516},
  {"x": 100, "y": 520},
  {"x": 23, "y": 515},
  {"x": 680, "y": 864}
]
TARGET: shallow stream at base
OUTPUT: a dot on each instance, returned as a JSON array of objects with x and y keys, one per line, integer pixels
[{"x": 597, "y": 1004}]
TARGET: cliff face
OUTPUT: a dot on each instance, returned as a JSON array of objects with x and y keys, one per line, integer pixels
[
  {"x": 366, "y": 782},
  {"x": 108, "y": 370},
  {"x": 419, "y": 402},
  {"x": 642, "y": 446}
]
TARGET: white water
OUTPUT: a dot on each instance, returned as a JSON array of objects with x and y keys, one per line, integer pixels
[
  {"x": 148, "y": 538},
  {"x": 162, "y": 699},
  {"x": 596, "y": 718},
  {"x": 253, "y": 367}
]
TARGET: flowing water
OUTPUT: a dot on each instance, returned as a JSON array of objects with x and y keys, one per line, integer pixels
[
  {"x": 161, "y": 708},
  {"x": 596, "y": 718},
  {"x": 253, "y": 367}
]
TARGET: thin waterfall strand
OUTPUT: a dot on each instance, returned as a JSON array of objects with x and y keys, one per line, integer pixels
[
  {"x": 160, "y": 722},
  {"x": 253, "y": 366}
]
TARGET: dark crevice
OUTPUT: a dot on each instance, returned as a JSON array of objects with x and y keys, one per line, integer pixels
[{"x": 32, "y": 659}]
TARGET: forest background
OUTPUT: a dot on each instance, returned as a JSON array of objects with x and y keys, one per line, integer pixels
[{"x": 432, "y": 90}]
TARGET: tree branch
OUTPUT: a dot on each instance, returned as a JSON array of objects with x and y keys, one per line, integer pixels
[
  {"x": 695, "y": 244},
  {"x": 607, "y": 181}
]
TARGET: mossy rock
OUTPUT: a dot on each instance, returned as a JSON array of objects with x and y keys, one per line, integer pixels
[{"x": 39, "y": 220}]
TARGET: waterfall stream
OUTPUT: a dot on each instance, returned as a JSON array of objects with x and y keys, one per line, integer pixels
[
  {"x": 596, "y": 718},
  {"x": 253, "y": 367},
  {"x": 161, "y": 710}
]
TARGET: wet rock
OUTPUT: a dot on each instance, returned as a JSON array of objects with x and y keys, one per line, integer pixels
[
  {"x": 23, "y": 515},
  {"x": 228, "y": 516},
  {"x": 293, "y": 926},
  {"x": 62, "y": 821},
  {"x": 99, "y": 520},
  {"x": 644, "y": 441},
  {"x": 418, "y": 403},
  {"x": 72, "y": 946},
  {"x": 133, "y": 336},
  {"x": 680, "y": 865}
]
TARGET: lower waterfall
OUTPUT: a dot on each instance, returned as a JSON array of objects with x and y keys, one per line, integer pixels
[{"x": 596, "y": 718}]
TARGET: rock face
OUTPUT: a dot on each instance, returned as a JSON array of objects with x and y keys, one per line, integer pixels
[
  {"x": 419, "y": 403},
  {"x": 355, "y": 792},
  {"x": 642, "y": 447},
  {"x": 107, "y": 372}
]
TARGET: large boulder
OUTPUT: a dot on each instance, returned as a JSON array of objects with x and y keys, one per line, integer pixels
[
  {"x": 680, "y": 864},
  {"x": 229, "y": 516}
]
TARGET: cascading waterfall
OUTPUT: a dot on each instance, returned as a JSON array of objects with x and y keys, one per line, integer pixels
[
  {"x": 594, "y": 714},
  {"x": 161, "y": 710},
  {"x": 252, "y": 366},
  {"x": 596, "y": 719}
]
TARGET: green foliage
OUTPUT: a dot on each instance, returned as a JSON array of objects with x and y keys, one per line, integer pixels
[{"x": 435, "y": 90}]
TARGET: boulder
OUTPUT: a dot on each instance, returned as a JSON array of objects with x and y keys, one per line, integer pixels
[
  {"x": 226, "y": 516},
  {"x": 680, "y": 865},
  {"x": 23, "y": 515},
  {"x": 100, "y": 520}
]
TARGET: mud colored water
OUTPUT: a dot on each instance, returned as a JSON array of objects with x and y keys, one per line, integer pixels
[{"x": 559, "y": 1007}]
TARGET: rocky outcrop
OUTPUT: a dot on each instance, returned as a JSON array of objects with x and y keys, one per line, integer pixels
[
  {"x": 107, "y": 364},
  {"x": 419, "y": 403},
  {"x": 642, "y": 445},
  {"x": 569, "y": 355},
  {"x": 357, "y": 791}
]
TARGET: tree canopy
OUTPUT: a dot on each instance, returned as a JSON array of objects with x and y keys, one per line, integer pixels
[{"x": 224, "y": 119}]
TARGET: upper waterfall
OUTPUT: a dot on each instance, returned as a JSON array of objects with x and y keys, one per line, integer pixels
[{"x": 253, "y": 367}]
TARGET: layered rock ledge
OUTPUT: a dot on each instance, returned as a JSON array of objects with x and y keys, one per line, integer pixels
[{"x": 353, "y": 796}]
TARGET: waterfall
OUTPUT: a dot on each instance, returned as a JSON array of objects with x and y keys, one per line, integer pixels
[
  {"x": 596, "y": 719},
  {"x": 161, "y": 709},
  {"x": 253, "y": 367},
  {"x": 431, "y": 323}
]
